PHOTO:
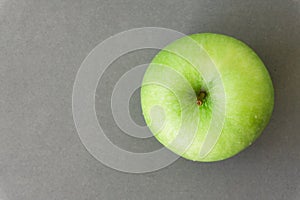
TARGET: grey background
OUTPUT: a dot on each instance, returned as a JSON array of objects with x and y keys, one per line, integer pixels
[{"x": 42, "y": 44}]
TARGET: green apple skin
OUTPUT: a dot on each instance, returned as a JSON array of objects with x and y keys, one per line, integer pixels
[{"x": 248, "y": 89}]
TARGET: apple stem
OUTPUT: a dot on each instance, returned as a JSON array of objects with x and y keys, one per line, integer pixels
[
  {"x": 200, "y": 98},
  {"x": 199, "y": 102}
]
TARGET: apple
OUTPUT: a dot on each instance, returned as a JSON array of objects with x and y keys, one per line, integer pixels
[{"x": 207, "y": 97}]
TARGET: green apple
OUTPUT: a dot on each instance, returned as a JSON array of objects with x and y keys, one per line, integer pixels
[{"x": 210, "y": 102}]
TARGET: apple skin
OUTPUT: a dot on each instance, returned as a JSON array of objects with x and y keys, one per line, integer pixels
[{"x": 249, "y": 96}]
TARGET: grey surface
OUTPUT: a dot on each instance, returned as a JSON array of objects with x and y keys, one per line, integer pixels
[{"x": 42, "y": 44}]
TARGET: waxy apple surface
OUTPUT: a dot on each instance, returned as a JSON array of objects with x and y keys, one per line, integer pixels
[{"x": 171, "y": 107}]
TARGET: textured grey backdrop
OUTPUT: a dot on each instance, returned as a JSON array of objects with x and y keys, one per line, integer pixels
[{"x": 42, "y": 44}]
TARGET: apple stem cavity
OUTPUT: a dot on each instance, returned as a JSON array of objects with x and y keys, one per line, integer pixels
[{"x": 200, "y": 98}]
